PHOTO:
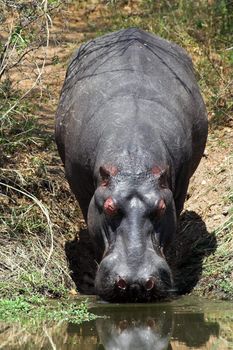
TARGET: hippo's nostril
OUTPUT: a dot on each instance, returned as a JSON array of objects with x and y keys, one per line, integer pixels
[
  {"x": 150, "y": 283},
  {"x": 121, "y": 284}
]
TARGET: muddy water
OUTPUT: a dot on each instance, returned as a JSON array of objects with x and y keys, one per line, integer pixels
[{"x": 187, "y": 323}]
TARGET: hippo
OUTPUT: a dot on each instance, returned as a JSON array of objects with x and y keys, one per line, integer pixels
[{"x": 131, "y": 128}]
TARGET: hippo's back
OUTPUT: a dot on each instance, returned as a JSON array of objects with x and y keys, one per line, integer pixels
[{"x": 130, "y": 65}]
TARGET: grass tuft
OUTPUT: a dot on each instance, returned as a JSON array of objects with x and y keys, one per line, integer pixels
[
  {"x": 217, "y": 276},
  {"x": 35, "y": 310}
]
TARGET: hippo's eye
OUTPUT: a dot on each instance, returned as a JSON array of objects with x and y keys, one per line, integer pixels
[
  {"x": 110, "y": 208},
  {"x": 161, "y": 207}
]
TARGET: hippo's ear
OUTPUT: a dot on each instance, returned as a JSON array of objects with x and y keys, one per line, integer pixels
[
  {"x": 106, "y": 171},
  {"x": 162, "y": 175}
]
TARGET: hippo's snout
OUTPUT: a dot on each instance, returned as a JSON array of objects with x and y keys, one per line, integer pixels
[{"x": 123, "y": 284}]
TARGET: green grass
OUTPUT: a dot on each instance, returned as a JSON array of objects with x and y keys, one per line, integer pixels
[
  {"x": 26, "y": 284},
  {"x": 217, "y": 268},
  {"x": 34, "y": 310},
  {"x": 19, "y": 128}
]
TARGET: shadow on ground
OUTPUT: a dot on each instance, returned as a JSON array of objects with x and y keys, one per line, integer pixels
[
  {"x": 193, "y": 243},
  {"x": 82, "y": 262}
]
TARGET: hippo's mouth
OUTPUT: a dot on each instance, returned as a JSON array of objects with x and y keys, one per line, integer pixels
[
  {"x": 133, "y": 296},
  {"x": 155, "y": 289}
]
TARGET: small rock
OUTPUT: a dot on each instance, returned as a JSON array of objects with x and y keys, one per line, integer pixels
[
  {"x": 225, "y": 211},
  {"x": 203, "y": 182},
  {"x": 217, "y": 217},
  {"x": 73, "y": 292}
]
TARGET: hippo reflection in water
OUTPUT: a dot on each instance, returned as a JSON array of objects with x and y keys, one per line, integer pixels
[
  {"x": 127, "y": 330},
  {"x": 158, "y": 327},
  {"x": 131, "y": 128}
]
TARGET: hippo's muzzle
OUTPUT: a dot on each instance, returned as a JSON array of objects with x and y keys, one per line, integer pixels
[{"x": 116, "y": 281}]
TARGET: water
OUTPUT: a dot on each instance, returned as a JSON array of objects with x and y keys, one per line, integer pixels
[{"x": 186, "y": 323}]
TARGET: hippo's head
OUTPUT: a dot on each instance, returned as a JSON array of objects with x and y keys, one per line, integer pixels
[{"x": 132, "y": 217}]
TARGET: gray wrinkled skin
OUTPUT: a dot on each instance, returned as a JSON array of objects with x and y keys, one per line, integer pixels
[{"x": 130, "y": 103}]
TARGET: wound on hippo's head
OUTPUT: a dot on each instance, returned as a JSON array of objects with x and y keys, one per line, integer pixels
[
  {"x": 161, "y": 174},
  {"x": 161, "y": 208},
  {"x": 110, "y": 207}
]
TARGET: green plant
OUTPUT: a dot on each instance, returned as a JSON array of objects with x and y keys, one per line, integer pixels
[{"x": 34, "y": 310}]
